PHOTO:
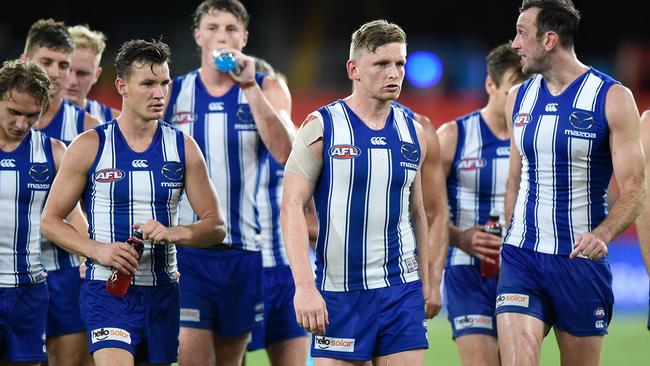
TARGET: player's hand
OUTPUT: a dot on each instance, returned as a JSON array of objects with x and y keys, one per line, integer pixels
[
  {"x": 245, "y": 72},
  {"x": 120, "y": 256},
  {"x": 479, "y": 244},
  {"x": 433, "y": 303},
  {"x": 154, "y": 232},
  {"x": 82, "y": 267},
  {"x": 311, "y": 311},
  {"x": 590, "y": 246}
]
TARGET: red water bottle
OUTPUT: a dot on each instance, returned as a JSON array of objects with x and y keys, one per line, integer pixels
[
  {"x": 492, "y": 226},
  {"x": 118, "y": 283}
]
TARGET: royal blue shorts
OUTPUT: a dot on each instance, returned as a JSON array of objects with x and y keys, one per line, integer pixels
[
  {"x": 63, "y": 316},
  {"x": 371, "y": 323},
  {"x": 279, "y": 314},
  {"x": 470, "y": 301},
  {"x": 221, "y": 291},
  {"x": 144, "y": 321},
  {"x": 573, "y": 295},
  {"x": 23, "y": 318}
]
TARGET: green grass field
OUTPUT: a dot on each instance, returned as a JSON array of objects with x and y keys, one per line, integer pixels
[{"x": 628, "y": 343}]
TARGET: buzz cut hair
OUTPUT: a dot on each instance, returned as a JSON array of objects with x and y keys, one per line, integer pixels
[
  {"x": 50, "y": 34},
  {"x": 88, "y": 39},
  {"x": 234, "y": 7},
  {"x": 375, "y": 34}
]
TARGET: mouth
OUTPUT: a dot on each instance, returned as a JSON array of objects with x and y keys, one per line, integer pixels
[
  {"x": 158, "y": 107},
  {"x": 392, "y": 87}
]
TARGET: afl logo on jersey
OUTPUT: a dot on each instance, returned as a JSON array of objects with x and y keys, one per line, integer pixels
[
  {"x": 410, "y": 152},
  {"x": 181, "y": 118},
  {"x": 109, "y": 175},
  {"x": 344, "y": 151},
  {"x": 521, "y": 119},
  {"x": 39, "y": 173},
  {"x": 471, "y": 164},
  {"x": 581, "y": 120},
  {"x": 173, "y": 171}
]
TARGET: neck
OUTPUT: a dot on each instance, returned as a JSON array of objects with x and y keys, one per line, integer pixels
[
  {"x": 8, "y": 144},
  {"x": 48, "y": 116},
  {"x": 562, "y": 70},
  {"x": 137, "y": 131},
  {"x": 496, "y": 121},
  {"x": 217, "y": 83},
  {"x": 372, "y": 111}
]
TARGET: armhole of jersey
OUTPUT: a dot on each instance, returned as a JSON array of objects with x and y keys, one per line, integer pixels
[
  {"x": 101, "y": 135},
  {"x": 460, "y": 141},
  {"x": 602, "y": 99},
  {"x": 180, "y": 142},
  {"x": 49, "y": 153}
]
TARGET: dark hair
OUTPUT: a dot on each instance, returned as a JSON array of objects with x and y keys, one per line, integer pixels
[
  {"x": 25, "y": 77},
  {"x": 50, "y": 34},
  {"x": 233, "y": 7},
  {"x": 138, "y": 50},
  {"x": 500, "y": 60},
  {"x": 375, "y": 34},
  {"x": 559, "y": 16}
]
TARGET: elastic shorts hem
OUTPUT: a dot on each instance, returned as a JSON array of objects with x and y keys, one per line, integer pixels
[
  {"x": 230, "y": 333},
  {"x": 62, "y": 332},
  {"x": 467, "y": 332},
  {"x": 593, "y": 333},
  {"x": 286, "y": 337},
  {"x": 402, "y": 348},
  {"x": 341, "y": 356},
  {"x": 27, "y": 358},
  {"x": 112, "y": 344},
  {"x": 514, "y": 309},
  {"x": 196, "y": 325}
]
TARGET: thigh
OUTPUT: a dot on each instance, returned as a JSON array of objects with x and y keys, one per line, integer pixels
[
  {"x": 26, "y": 319},
  {"x": 68, "y": 349},
  {"x": 478, "y": 349},
  {"x": 520, "y": 338},
  {"x": 291, "y": 352},
  {"x": 64, "y": 315},
  {"x": 162, "y": 332},
  {"x": 579, "y": 351},
  {"x": 113, "y": 356},
  {"x": 196, "y": 347},
  {"x": 411, "y": 358},
  {"x": 470, "y": 301},
  {"x": 581, "y": 292},
  {"x": 229, "y": 351}
]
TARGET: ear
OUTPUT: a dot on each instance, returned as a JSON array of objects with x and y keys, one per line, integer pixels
[
  {"x": 23, "y": 57},
  {"x": 245, "y": 39},
  {"x": 98, "y": 73},
  {"x": 120, "y": 85},
  {"x": 197, "y": 37},
  {"x": 490, "y": 86},
  {"x": 551, "y": 40},
  {"x": 353, "y": 70}
]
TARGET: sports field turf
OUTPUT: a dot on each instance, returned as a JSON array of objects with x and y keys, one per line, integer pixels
[{"x": 628, "y": 343}]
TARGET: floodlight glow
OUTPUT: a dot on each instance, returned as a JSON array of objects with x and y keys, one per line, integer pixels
[{"x": 423, "y": 69}]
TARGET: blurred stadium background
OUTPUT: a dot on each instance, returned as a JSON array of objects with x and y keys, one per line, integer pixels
[{"x": 308, "y": 42}]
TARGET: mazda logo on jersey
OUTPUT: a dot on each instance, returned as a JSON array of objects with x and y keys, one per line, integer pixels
[
  {"x": 109, "y": 175},
  {"x": 521, "y": 119},
  {"x": 410, "y": 152},
  {"x": 344, "y": 151},
  {"x": 244, "y": 113},
  {"x": 40, "y": 173},
  {"x": 173, "y": 171},
  {"x": 181, "y": 118},
  {"x": 581, "y": 120},
  {"x": 471, "y": 164}
]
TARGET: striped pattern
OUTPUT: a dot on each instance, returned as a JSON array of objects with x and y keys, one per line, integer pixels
[
  {"x": 98, "y": 110},
  {"x": 125, "y": 187},
  {"x": 477, "y": 179},
  {"x": 26, "y": 175},
  {"x": 269, "y": 199},
  {"x": 365, "y": 237},
  {"x": 566, "y": 163},
  {"x": 227, "y": 135}
]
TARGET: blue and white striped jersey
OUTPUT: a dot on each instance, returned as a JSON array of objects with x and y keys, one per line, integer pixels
[
  {"x": 269, "y": 200},
  {"x": 25, "y": 178},
  {"x": 67, "y": 123},
  {"x": 566, "y": 162},
  {"x": 98, "y": 110},
  {"x": 476, "y": 184},
  {"x": 365, "y": 238},
  {"x": 225, "y": 131},
  {"x": 125, "y": 187}
]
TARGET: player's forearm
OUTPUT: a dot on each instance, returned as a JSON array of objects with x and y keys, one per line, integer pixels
[
  {"x": 625, "y": 210},
  {"x": 512, "y": 189},
  {"x": 63, "y": 234},
  {"x": 275, "y": 134},
  {"x": 439, "y": 242},
  {"x": 208, "y": 231},
  {"x": 643, "y": 233},
  {"x": 296, "y": 242}
]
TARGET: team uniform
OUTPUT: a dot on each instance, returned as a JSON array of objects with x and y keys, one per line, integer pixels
[
  {"x": 475, "y": 187},
  {"x": 98, "y": 110},
  {"x": 221, "y": 288},
  {"x": 566, "y": 169},
  {"x": 125, "y": 187},
  {"x": 279, "y": 322},
  {"x": 366, "y": 265},
  {"x": 63, "y": 267},
  {"x": 26, "y": 175}
]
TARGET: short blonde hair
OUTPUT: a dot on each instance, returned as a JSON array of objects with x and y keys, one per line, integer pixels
[
  {"x": 87, "y": 39},
  {"x": 375, "y": 34}
]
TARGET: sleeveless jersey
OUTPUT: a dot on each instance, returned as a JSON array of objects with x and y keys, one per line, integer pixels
[
  {"x": 269, "y": 200},
  {"x": 67, "y": 123},
  {"x": 125, "y": 187},
  {"x": 25, "y": 178},
  {"x": 224, "y": 129},
  {"x": 566, "y": 162},
  {"x": 477, "y": 180},
  {"x": 98, "y": 110},
  {"x": 365, "y": 238}
]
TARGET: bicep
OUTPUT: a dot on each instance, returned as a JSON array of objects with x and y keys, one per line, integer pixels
[
  {"x": 432, "y": 178},
  {"x": 625, "y": 144},
  {"x": 447, "y": 136},
  {"x": 199, "y": 189},
  {"x": 278, "y": 95}
]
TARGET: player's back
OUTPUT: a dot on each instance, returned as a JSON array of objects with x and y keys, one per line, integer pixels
[
  {"x": 566, "y": 162},
  {"x": 365, "y": 237},
  {"x": 98, "y": 110}
]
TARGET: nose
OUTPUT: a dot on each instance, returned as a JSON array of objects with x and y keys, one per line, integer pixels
[
  {"x": 23, "y": 123},
  {"x": 516, "y": 43}
]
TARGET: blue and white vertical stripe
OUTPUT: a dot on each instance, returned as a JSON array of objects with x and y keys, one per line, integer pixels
[
  {"x": 566, "y": 163},
  {"x": 477, "y": 180},
  {"x": 98, "y": 110},
  {"x": 362, "y": 197},
  {"x": 26, "y": 175},
  {"x": 269, "y": 200},
  {"x": 125, "y": 187}
]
